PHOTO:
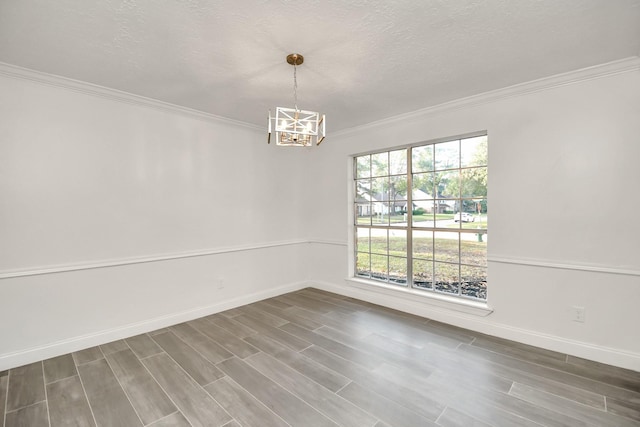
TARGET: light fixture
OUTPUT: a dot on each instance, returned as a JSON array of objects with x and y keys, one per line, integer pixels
[{"x": 294, "y": 127}]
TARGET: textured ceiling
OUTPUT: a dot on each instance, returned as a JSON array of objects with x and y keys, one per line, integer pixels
[{"x": 365, "y": 60}]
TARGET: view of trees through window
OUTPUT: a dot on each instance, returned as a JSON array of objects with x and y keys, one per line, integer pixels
[{"x": 421, "y": 216}]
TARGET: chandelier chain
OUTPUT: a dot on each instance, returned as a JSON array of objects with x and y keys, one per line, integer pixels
[{"x": 295, "y": 86}]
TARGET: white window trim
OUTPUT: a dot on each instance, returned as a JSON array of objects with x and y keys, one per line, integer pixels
[{"x": 442, "y": 300}]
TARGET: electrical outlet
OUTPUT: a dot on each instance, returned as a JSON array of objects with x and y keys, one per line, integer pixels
[{"x": 577, "y": 314}]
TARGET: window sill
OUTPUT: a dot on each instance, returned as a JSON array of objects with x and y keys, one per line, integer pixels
[{"x": 476, "y": 308}]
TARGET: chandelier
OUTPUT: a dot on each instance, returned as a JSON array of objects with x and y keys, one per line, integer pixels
[{"x": 293, "y": 127}]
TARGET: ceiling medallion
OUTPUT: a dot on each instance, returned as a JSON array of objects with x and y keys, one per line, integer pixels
[{"x": 294, "y": 127}]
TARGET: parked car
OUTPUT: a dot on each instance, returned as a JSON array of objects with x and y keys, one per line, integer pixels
[{"x": 464, "y": 217}]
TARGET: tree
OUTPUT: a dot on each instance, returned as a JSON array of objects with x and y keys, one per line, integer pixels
[{"x": 473, "y": 180}]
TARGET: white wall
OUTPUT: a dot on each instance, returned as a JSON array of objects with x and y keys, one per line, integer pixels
[
  {"x": 93, "y": 178},
  {"x": 563, "y": 177},
  {"x": 119, "y": 215},
  {"x": 86, "y": 178}
]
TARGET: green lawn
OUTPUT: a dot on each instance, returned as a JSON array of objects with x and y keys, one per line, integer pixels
[
  {"x": 471, "y": 252},
  {"x": 444, "y": 265}
]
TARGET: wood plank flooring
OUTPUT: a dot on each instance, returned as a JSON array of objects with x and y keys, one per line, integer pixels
[{"x": 312, "y": 358}]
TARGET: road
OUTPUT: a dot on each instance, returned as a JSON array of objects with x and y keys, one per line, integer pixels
[{"x": 445, "y": 223}]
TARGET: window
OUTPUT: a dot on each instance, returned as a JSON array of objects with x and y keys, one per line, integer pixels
[{"x": 432, "y": 237}]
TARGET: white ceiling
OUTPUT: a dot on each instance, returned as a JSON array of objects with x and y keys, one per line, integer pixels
[{"x": 365, "y": 60}]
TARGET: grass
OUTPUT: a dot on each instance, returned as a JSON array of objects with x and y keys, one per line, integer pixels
[
  {"x": 473, "y": 253},
  {"x": 422, "y": 247},
  {"x": 457, "y": 270}
]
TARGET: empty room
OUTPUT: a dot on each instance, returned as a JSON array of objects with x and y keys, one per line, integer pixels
[{"x": 343, "y": 213}]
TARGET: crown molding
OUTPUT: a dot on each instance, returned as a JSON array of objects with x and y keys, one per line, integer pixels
[
  {"x": 626, "y": 65},
  {"x": 21, "y": 73},
  {"x": 631, "y": 64}
]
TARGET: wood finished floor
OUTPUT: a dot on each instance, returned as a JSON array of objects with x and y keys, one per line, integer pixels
[{"x": 311, "y": 358}]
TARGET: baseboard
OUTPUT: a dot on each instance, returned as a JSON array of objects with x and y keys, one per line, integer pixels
[
  {"x": 607, "y": 355},
  {"x": 584, "y": 350},
  {"x": 20, "y": 358}
]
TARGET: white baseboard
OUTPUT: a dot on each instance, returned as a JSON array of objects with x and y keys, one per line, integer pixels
[
  {"x": 584, "y": 350},
  {"x": 607, "y": 355},
  {"x": 43, "y": 352}
]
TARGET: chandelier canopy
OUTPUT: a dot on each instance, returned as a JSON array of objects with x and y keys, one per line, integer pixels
[{"x": 293, "y": 127}]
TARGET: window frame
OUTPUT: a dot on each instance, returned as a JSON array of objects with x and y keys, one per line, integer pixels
[{"x": 410, "y": 228}]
